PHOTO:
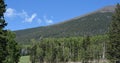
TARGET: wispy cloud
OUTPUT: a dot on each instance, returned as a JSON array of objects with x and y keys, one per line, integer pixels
[
  {"x": 48, "y": 21},
  {"x": 24, "y": 15},
  {"x": 10, "y": 12},
  {"x": 28, "y": 18}
]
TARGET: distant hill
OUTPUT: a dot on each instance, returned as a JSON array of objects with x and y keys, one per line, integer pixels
[{"x": 94, "y": 23}]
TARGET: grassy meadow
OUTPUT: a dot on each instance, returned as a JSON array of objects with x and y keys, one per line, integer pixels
[{"x": 25, "y": 59}]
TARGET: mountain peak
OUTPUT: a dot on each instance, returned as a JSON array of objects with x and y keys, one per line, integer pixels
[{"x": 110, "y": 8}]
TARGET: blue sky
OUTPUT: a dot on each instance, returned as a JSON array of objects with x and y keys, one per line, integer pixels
[{"x": 23, "y": 14}]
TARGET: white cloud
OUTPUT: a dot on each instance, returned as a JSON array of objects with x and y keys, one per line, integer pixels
[
  {"x": 27, "y": 18},
  {"x": 10, "y": 12},
  {"x": 30, "y": 18},
  {"x": 48, "y": 21}
]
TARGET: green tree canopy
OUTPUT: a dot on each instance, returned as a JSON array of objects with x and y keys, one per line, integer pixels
[
  {"x": 114, "y": 36},
  {"x": 9, "y": 49}
]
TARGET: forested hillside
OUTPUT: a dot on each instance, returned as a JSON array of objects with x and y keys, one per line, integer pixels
[{"x": 95, "y": 23}]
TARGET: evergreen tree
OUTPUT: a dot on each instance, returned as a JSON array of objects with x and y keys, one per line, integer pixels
[
  {"x": 9, "y": 50},
  {"x": 85, "y": 47},
  {"x": 3, "y": 42},
  {"x": 13, "y": 49},
  {"x": 113, "y": 50}
]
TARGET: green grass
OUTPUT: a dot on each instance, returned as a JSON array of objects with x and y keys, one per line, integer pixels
[{"x": 25, "y": 59}]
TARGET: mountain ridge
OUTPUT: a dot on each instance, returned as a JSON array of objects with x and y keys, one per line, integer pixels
[
  {"x": 94, "y": 23},
  {"x": 109, "y": 8}
]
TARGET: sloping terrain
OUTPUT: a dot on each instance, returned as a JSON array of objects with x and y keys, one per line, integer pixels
[{"x": 95, "y": 23}]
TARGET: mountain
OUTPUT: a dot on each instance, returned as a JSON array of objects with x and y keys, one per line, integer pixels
[
  {"x": 110, "y": 8},
  {"x": 94, "y": 23}
]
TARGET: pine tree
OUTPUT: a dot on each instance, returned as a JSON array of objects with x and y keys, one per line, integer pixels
[
  {"x": 9, "y": 50},
  {"x": 3, "y": 42},
  {"x": 113, "y": 49},
  {"x": 13, "y": 49}
]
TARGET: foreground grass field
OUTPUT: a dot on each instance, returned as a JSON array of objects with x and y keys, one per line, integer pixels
[{"x": 25, "y": 59}]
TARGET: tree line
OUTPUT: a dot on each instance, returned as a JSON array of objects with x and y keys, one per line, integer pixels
[{"x": 73, "y": 49}]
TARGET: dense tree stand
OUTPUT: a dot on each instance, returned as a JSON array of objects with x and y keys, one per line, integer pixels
[{"x": 113, "y": 48}]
